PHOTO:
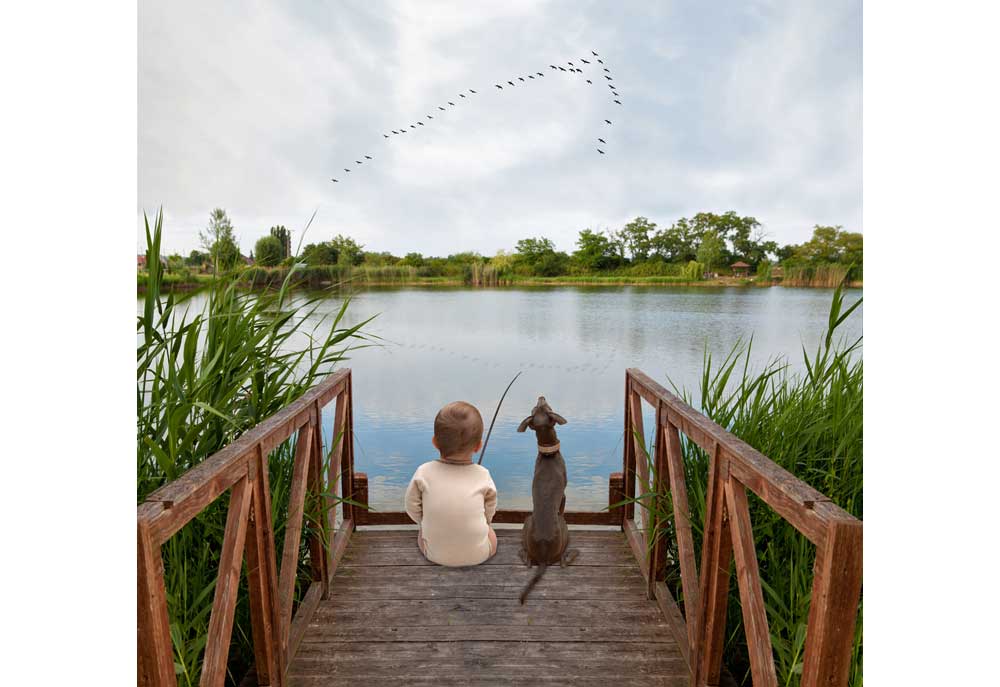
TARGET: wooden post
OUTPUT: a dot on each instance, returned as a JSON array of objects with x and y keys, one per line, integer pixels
[
  {"x": 155, "y": 649},
  {"x": 293, "y": 529},
  {"x": 321, "y": 535},
  {"x": 360, "y": 496},
  {"x": 347, "y": 462},
  {"x": 657, "y": 553},
  {"x": 616, "y": 494},
  {"x": 717, "y": 551},
  {"x": 628, "y": 453},
  {"x": 640, "y": 460},
  {"x": 262, "y": 579},
  {"x": 220, "y": 623},
  {"x": 337, "y": 457},
  {"x": 674, "y": 460},
  {"x": 833, "y": 611}
]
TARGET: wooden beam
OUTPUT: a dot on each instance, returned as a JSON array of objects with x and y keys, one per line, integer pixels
[
  {"x": 717, "y": 552},
  {"x": 616, "y": 495},
  {"x": 262, "y": 582},
  {"x": 155, "y": 649},
  {"x": 755, "y": 624},
  {"x": 220, "y": 623},
  {"x": 674, "y": 460},
  {"x": 293, "y": 530},
  {"x": 516, "y": 517},
  {"x": 833, "y": 610},
  {"x": 361, "y": 497}
]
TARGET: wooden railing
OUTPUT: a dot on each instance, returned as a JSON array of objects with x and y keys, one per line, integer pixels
[
  {"x": 734, "y": 467},
  {"x": 241, "y": 468}
]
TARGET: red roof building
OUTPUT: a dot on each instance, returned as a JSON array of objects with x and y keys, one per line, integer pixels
[{"x": 740, "y": 269}]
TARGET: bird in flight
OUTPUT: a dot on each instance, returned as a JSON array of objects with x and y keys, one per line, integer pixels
[
  {"x": 520, "y": 78},
  {"x": 451, "y": 103},
  {"x": 357, "y": 162},
  {"x": 385, "y": 135},
  {"x": 570, "y": 64},
  {"x": 346, "y": 170},
  {"x": 607, "y": 77},
  {"x": 420, "y": 123},
  {"x": 413, "y": 126},
  {"x": 334, "y": 181},
  {"x": 562, "y": 68},
  {"x": 595, "y": 54},
  {"x": 429, "y": 117},
  {"x": 553, "y": 66},
  {"x": 602, "y": 140},
  {"x": 530, "y": 76},
  {"x": 584, "y": 61},
  {"x": 394, "y": 131},
  {"x": 498, "y": 86},
  {"x": 619, "y": 102},
  {"x": 368, "y": 157},
  {"x": 471, "y": 91},
  {"x": 608, "y": 121},
  {"x": 600, "y": 151},
  {"x": 540, "y": 74},
  {"x": 511, "y": 83},
  {"x": 461, "y": 95},
  {"x": 601, "y": 61},
  {"x": 590, "y": 82},
  {"x": 607, "y": 70}
]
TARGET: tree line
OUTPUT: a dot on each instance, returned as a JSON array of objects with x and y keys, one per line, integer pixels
[{"x": 693, "y": 247}]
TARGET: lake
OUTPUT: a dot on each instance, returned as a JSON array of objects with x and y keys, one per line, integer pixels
[{"x": 573, "y": 345}]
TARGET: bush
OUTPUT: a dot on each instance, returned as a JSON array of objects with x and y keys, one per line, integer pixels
[
  {"x": 268, "y": 251},
  {"x": 693, "y": 271}
]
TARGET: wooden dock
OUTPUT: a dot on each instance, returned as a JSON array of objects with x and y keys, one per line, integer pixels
[
  {"x": 371, "y": 610},
  {"x": 393, "y": 617}
]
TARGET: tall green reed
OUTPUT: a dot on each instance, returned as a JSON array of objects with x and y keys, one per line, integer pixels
[
  {"x": 204, "y": 376},
  {"x": 811, "y": 424}
]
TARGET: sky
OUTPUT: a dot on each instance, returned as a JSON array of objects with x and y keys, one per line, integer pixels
[{"x": 254, "y": 106}]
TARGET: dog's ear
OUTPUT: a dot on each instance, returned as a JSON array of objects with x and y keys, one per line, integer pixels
[
  {"x": 559, "y": 419},
  {"x": 524, "y": 423}
]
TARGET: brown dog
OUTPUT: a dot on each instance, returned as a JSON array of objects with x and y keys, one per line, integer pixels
[{"x": 545, "y": 535}]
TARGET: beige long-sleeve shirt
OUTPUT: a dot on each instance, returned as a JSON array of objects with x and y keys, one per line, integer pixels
[{"x": 454, "y": 506}]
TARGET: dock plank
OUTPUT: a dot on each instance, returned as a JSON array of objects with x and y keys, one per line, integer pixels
[{"x": 394, "y": 618}]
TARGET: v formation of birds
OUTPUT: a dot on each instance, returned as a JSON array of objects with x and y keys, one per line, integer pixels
[{"x": 595, "y": 62}]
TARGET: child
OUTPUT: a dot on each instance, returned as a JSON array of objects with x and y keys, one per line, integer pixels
[{"x": 453, "y": 499}]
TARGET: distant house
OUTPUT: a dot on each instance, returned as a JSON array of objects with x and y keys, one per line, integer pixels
[
  {"x": 141, "y": 262},
  {"x": 740, "y": 269}
]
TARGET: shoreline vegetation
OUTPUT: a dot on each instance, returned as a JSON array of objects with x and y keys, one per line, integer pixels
[{"x": 707, "y": 249}]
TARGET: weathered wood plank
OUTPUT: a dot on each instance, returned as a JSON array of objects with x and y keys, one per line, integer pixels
[
  {"x": 155, "y": 655},
  {"x": 507, "y": 554},
  {"x": 293, "y": 529},
  {"x": 755, "y": 623},
  {"x": 494, "y": 680},
  {"x": 220, "y": 624},
  {"x": 713, "y": 587},
  {"x": 658, "y": 636},
  {"x": 602, "y": 536},
  {"x": 637, "y": 436},
  {"x": 354, "y": 612},
  {"x": 833, "y": 610},
  {"x": 303, "y": 614},
  {"x": 262, "y": 580},
  {"x": 637, "y": 543},
  {"x": 675, "y": 621},
  {"x": 503, "y": 516},
  {"x": 682, "y": 528}
]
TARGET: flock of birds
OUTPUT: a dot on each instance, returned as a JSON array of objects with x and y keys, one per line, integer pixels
[{"x": 594, "y": 63}]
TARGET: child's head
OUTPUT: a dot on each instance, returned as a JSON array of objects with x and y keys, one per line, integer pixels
[{"x": 458, "y": 429}]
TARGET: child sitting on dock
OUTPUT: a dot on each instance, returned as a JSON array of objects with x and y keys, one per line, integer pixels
[{"x": 451, "y": 498}]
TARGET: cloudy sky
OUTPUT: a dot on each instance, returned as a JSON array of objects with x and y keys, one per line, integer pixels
[{"x": 254, "y": 106}]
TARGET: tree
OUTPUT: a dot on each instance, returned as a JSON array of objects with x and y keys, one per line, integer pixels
[
  {"x": 268, "y": 250},
  {"x": 220, "y": 240},
  {"x": 197, "y": 258},
  {"x": 596, "y": 251},
  {"x": 679, "y": 243},
  {"x": 320, "y": 254},
  {"x": 413, "y": 260},
  {"x": 539, "y": 256},
  {"x": 532, "y": 250},
  {"x": 711, "y": 249},
  {"x": 350, "y": 252},
  {"x": 636, "y": 235},
  {"x": 285, "y": 238}
]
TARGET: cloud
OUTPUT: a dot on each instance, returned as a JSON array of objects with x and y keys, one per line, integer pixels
[{"x": 254, "y": 106}]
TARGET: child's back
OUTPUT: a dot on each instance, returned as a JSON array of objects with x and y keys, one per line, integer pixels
[
  {"x": 452, "y": 499},
  {"x": 454, "y": 505}
]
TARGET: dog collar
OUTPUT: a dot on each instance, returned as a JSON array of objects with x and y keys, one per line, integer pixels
[{"x": 547, "y": 450}]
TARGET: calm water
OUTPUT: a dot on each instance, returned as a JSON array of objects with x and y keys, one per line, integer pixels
[{"x": 573, "y": 344}]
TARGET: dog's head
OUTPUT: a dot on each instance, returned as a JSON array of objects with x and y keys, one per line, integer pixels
[{"x": 542, "y": 417}]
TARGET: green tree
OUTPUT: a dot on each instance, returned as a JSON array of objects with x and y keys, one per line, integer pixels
[
  {"x": 285, "y": 238},
  {"x": 637, "y": 237},
  {"x": 320, "y": 254},
  {"x": 539, "y": 257},
  {"x": 350, "y": 251},
  {"x": 197, "y": 258},
  {"x": 679, "y": 243},
  {"x": 220, "y": 241},
  {"x": 595, "y": 251},
  {"x": 268, "y": 250},
  {"x": 413, "y": 260},
  {"x": 711, "y": 249},
  {"x": 532, "y": 250}
]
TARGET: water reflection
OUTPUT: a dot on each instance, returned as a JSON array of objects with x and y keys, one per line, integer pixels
[{"x": 445, "y": 344}]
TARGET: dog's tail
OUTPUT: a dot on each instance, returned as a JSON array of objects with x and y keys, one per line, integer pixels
[{"x": 532, "y": 582}]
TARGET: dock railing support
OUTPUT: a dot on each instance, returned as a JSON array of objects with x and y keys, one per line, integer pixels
[
  {"x": 241, "y": 469},
  {"x": 734, "y": 467}
]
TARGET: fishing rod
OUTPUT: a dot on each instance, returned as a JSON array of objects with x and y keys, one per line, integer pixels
[{"x": 495, "y": 413}]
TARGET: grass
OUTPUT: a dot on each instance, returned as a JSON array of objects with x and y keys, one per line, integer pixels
[
  {"x": 203, "y": 378},
  {"x": 811, "y": 424}
]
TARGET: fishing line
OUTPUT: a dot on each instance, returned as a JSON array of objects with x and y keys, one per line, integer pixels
[{"x": 495, "y": 413}]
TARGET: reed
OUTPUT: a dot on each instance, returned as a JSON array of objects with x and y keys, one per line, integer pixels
[
  {"x": 812, "y": 425},
  {"x": 203, "y": 377}
]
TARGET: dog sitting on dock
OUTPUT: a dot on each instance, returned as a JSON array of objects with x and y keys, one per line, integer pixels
[{"x": 545, "y": 536}]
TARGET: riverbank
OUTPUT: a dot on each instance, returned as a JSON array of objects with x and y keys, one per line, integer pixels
[{"x": 175, "y": 282}]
